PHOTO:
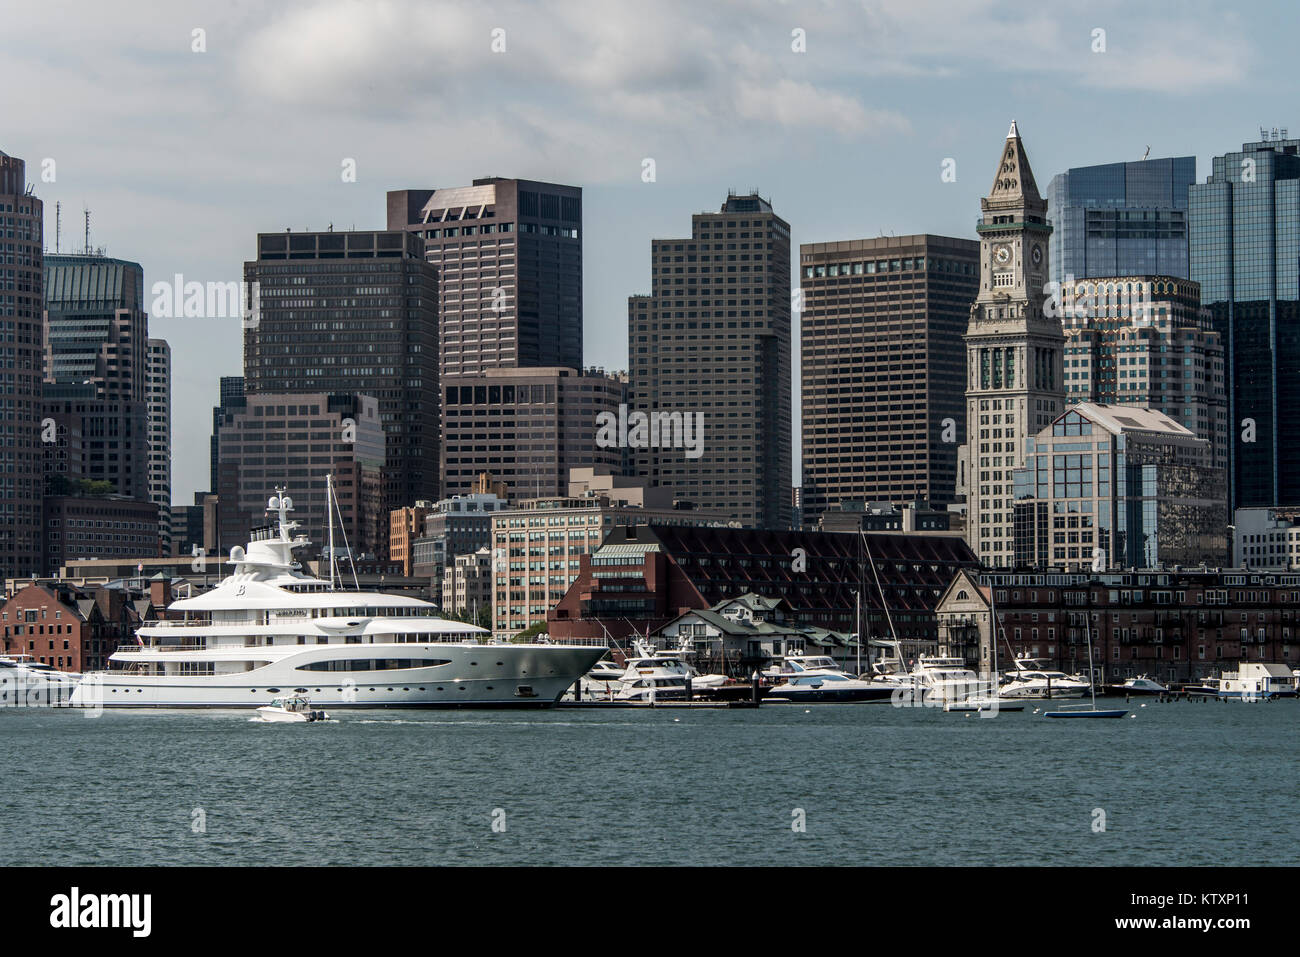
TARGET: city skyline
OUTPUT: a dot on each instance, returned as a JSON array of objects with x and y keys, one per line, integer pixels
[{"x": 797, "y": 125}]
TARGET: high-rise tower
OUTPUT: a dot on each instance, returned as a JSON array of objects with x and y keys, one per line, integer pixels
[{"x": 1013, "y": 351}]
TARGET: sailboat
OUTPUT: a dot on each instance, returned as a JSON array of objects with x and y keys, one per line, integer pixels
[{"x": 1079, "y": 712}]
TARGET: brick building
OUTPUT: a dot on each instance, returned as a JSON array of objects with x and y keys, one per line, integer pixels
[
  {"x": 1172, "y": 625},
  {"x": 76, "y": 629}
]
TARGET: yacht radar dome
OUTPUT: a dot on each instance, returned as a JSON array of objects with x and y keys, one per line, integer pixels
[{"x": 237, "y": 554}]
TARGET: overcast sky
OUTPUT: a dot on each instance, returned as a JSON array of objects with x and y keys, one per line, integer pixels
[{"x": 183, "y": 156}]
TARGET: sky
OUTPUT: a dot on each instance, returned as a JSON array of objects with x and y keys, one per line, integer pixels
[{"x": 186, "y": 128}]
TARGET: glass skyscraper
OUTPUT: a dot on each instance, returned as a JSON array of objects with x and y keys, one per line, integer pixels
[
  {"x": 1245, "y": 253},
  {"x": 1120, "y": 219}
]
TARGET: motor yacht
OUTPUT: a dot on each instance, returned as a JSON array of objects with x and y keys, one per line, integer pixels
[
  {"x": 1035, "y": 678},
  {"x": 1141, "y": 685},
  {"x": 28, "y": 683},
  {"x": 268, "y": 630},
  {"x": 1256, "y": 680},
  {"x": 940, "y": 681},
  {"x": 828, "y": 686}
]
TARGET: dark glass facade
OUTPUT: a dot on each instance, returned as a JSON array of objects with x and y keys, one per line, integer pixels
[
  {"x": 1121, "y": 219},
  {"x": 353, "y": 313},
  {"x": 1245, "y": 253}
]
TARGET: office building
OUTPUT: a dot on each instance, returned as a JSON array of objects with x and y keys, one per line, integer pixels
[
  {"x": 884, "y": 368},
  {"x": 96, "y": 364},
  {"x": 294, "y": 441},
  {"x": 1113, "y": 486},
  {"x": 1245, "y": 253},
  {"x": 231, "y": 397},
  {"x": 508, "y": 254},
  {"x": 537, "y": 543},
  {"x": 405, "y": 525},
  {"x": 353, "y": 313},
  {"x": 21, "y": 331},
  {"x": 528, "y": 427},
  {"x": 81, "y": 526},
  {"x": 1120, "y": 219},
  {"x": 1013, "y": 351},
  {"x": 709, "y": 356},
  {"x": 1146, "y": 341},
  {"x": 467, "y": 586},
  {"x": 159, "y": 397}
]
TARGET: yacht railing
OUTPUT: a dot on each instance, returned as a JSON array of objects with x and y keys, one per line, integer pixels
[{"x": 183, "y": 646}]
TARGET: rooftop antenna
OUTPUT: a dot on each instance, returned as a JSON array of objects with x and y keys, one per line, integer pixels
[
  {"x": 58, "y": 223},
  {"x": 87, "y": 215},
  {"x": 1147, "y": 153}
]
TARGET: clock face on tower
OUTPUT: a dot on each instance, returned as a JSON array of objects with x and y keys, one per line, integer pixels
[
  {"x": 1037, "y": 255},
  {"x": 1002, "y": 254}
]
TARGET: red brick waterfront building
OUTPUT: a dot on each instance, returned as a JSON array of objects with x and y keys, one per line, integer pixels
[
  {"x": 75, "y": 629},
  {"x": 1172, "y": 625},
  {"x": 643, "y": 576}
]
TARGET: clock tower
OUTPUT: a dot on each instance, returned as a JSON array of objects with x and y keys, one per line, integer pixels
[{"x": 1013, "y": 352}]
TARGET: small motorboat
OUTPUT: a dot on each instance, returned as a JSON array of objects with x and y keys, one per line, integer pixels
[{"x": 292, "y": 709}]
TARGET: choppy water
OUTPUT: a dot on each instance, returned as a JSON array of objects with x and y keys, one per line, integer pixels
[{"x": 1181, "y": 783}]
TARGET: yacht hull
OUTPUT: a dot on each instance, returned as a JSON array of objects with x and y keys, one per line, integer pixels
[{"x": 473, "y": 676}]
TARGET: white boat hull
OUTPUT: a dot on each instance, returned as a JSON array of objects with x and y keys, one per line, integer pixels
[{"x": 475, "y": 675}]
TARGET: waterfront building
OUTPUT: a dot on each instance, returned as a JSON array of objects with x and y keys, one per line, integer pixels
[
  {"x": 740, "y": 634},
  {"x": 508, "y": 253},
  {"x": 159, "y": 398},
  {"x": 294, "y": 441},
  {"x": 1111, "y": 486},
  {"x": 352, "y": 313},
  {"x": 1181, "y": 624},
  {"x": 644, "y": 575},
  {"x": 528, "y": 426},
  {"x": 1245, "y": 253},
  {"x": 1146, "y": 341},
  {"x": 1120, "y": 219},
  {"x": 1013, "y": 352},
  {"x": 72, "y": 628},
  {"x": 883, "y": 368},
  {"x": 537, "y": 544},
  {"x": 711, "y": 343}
]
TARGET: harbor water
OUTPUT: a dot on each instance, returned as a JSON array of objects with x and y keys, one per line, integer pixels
[{"x": 855, "y": 784}]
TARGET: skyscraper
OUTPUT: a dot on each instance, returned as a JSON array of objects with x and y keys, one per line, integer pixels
[
  {"x": 1145, "y": 341},
  {"x": 353, "y": 313},
  {"x": 1245, "y": 253},
  {"x": 711, "y": 344},
  {"x": 96, "y": 364},
  {"x": 883, "y": 368},
  {"x": 509, "y": 260},
  {"x": 230, "y": 397},
  {"x": 1013, "y": 351},
  {"x": 160, "y": 435},
  {"x": 21, "y": 427},
  {"x": 1120, "y": 219}
]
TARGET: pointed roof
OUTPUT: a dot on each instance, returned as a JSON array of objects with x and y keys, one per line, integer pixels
[{"x": 1013, "y": 182}]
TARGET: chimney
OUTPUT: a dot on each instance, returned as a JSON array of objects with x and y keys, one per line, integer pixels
[{"x": 160, "y": 594}]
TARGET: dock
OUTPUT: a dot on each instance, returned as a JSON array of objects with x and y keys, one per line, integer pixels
[{"x": 706, "y": 705}]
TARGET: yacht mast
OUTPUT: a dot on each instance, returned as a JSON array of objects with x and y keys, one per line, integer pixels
[{"x": 329, "y": 512}]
